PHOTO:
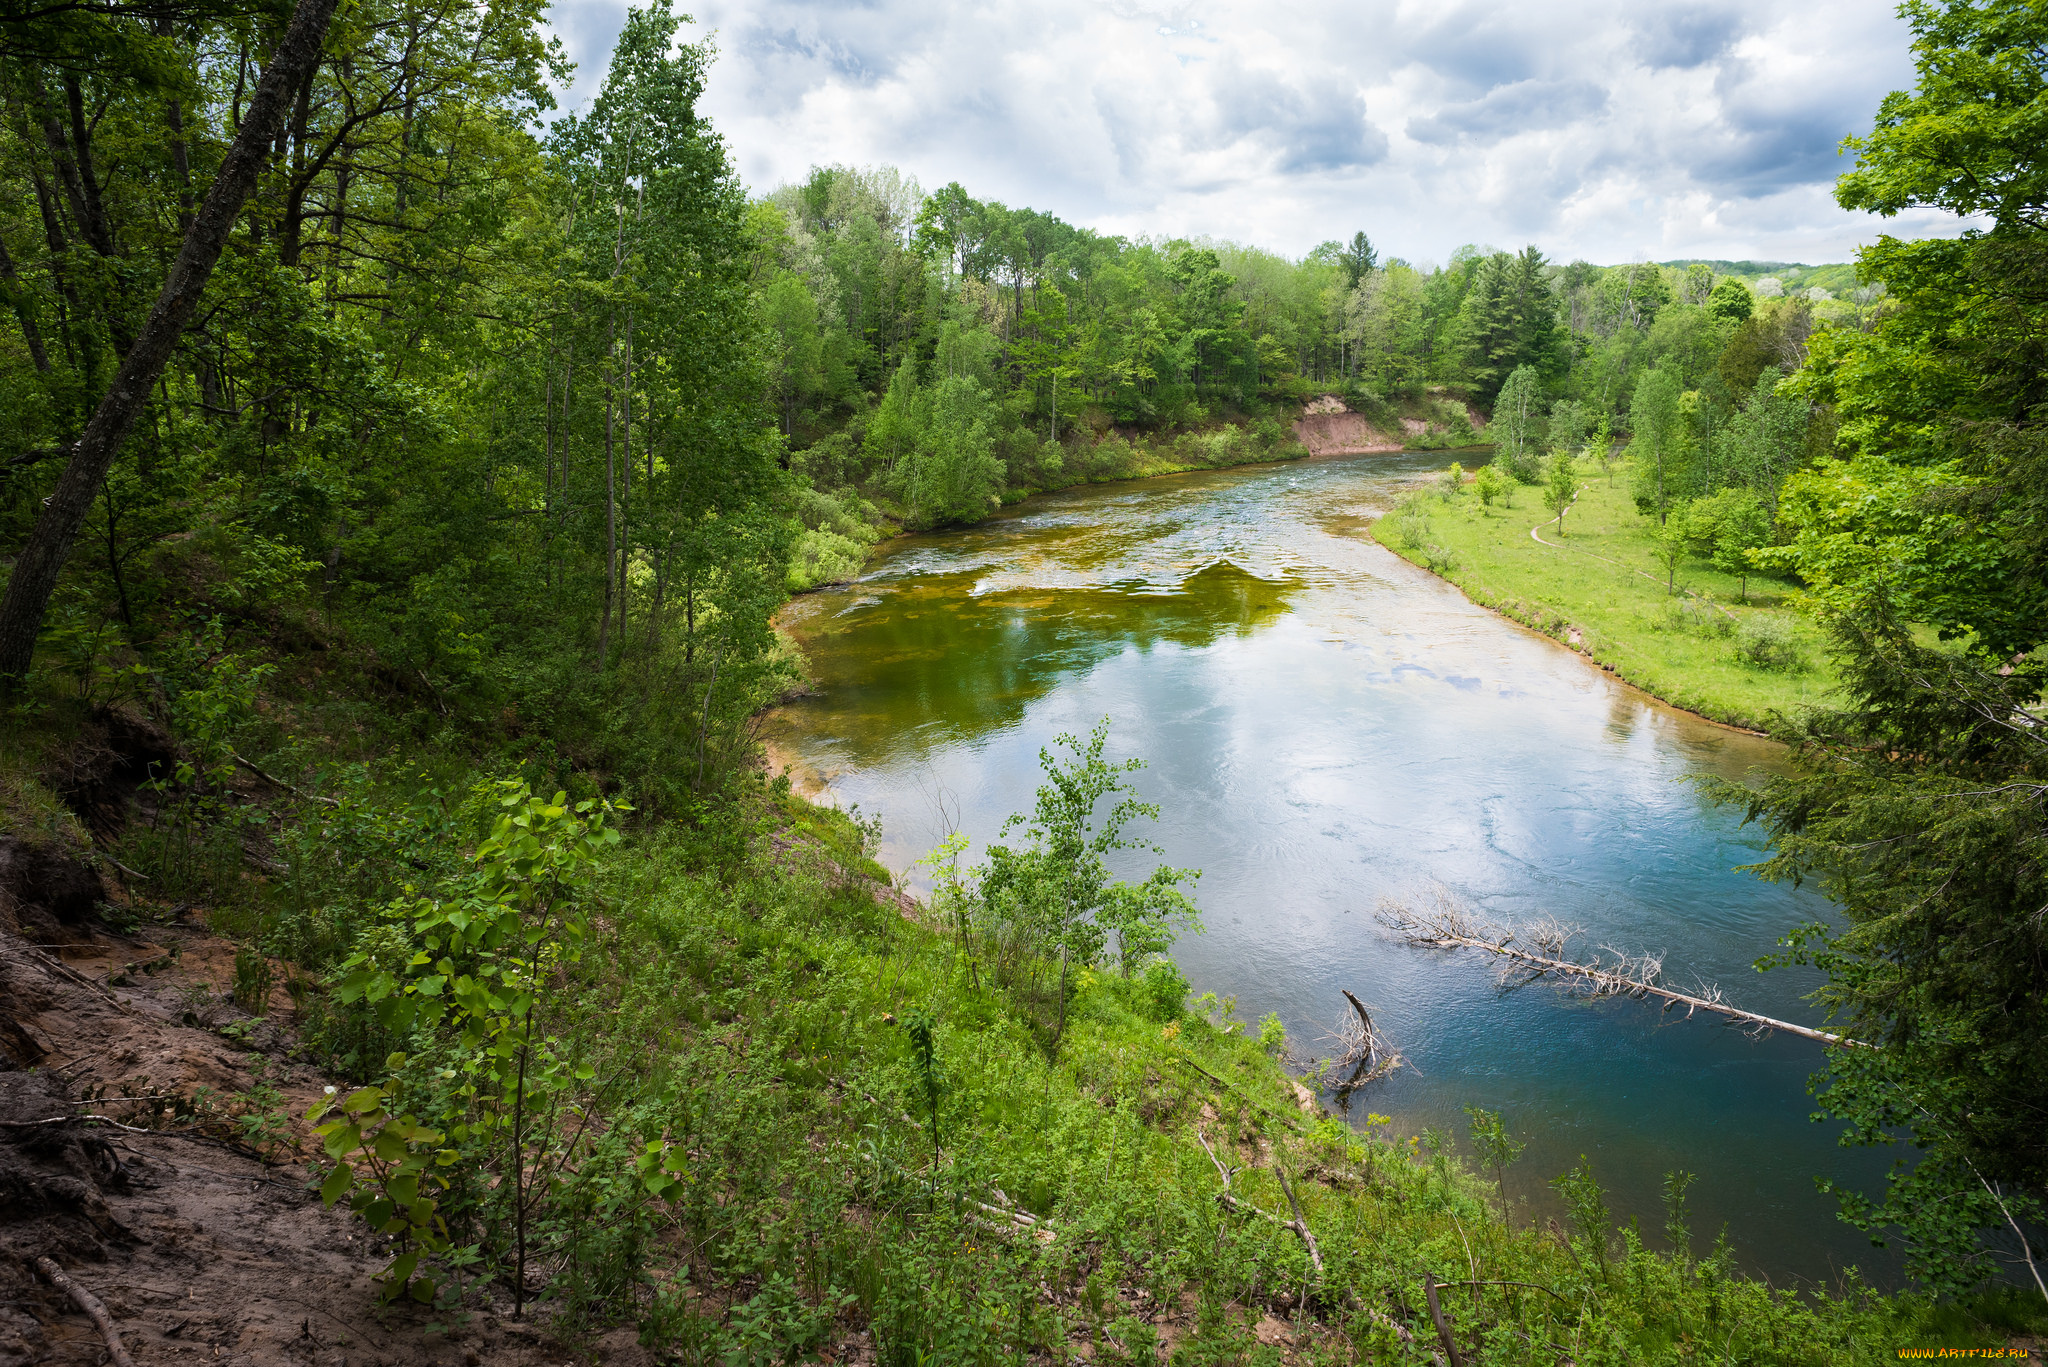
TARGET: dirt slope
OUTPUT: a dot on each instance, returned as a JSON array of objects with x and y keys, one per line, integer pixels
[
  {"x": 202, "y": 1249},
  {"x": 1327, "y": 428}
]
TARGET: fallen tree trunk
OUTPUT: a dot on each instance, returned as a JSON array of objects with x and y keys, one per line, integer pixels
[
  {"x": 1363, "y": 1049},
  {"x": 1449, "y": 928}
]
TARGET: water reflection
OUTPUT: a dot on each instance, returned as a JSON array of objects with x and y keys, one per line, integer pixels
[{"x": 1328, "y": 727}]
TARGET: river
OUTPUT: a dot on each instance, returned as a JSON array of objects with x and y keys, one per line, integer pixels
[{"x": 1327, "y": 727}]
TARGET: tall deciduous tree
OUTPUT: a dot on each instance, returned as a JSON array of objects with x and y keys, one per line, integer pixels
[{"x": 42, "y": 559}]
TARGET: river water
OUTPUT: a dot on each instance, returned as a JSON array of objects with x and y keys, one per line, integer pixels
[{"x": 1327, "y": 727}]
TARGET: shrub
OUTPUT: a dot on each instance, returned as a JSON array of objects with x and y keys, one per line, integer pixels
[
  {"x": 1491, "y": 484},
  {"x": 1273, "y": 1034},
  {"x": 1766, "y": 643},
  {"x": 1165, "y": 990}
]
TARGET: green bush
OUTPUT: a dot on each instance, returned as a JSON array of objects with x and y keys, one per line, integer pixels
[
  {"x": 1766, "y": 643},
  {"x": 1165, "y": 990}
]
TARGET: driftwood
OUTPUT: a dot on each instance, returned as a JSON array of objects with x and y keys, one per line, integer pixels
[
  {"x": 1362, "y": 1048},
  {"x": 1448, "y": 926},
  {"x": 1286, "y": 1121},
  {"x": 94, "y": 1311},
  {"x": 1006, "y": 1216},
  {"x": 1229, "y": 1201},
  {"x": 102, "y": 1119}
]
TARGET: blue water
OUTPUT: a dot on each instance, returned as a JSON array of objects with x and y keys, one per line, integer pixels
[{"x": 1326, "y": 728}]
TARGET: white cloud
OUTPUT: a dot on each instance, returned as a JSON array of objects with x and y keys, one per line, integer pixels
[{"x": 1596, "y": 128}]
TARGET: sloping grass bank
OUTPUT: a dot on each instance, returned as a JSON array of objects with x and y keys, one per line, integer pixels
[
  {"x": 1602, "y": 589},
  {"x": 724, "y": 1089},
  {"x": 854, "y": 1189}
]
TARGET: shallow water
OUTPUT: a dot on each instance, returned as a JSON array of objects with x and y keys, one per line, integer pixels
[{"x": 1327, "y": 726}]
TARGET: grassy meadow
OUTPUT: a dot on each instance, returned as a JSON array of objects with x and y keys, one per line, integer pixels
[{"x": 1602, "y": 588}]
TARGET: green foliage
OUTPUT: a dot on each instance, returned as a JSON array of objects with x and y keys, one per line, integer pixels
[
  {"x": 1585, "y": 1205},
  {"x": 254, "y": 977},
  {"x": 1496, "y": 1150},
  {"x": 481, "y": 957},
  {"x": 1917, "y": 807},
  {"x": 1560, "y": 485},
  {"x": 1055, "y": 898},
  {"x": 1654, "y": 425},
  {"x": 1731, "y": 300},
  {"x": 1514, "y": 426},
  {"x": 1764, "y": 643},
  {"x": 1165, "y": 990},
  {"x": 1490, "y": 484},
  {"x": 1917, "y": 801},
  {"x": 1966, "y": 138},
  {"x": 1728, "y": 528}
]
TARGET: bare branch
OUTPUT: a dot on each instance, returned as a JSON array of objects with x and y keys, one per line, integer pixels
[{"x": 1449, "y": 926}]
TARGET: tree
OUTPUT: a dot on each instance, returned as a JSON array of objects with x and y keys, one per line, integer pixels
[
  {"x": 1490, "y": 484},
  {"x": 1509, "y": 321},
  {"x": 1669, "y": 543},
  {"x": 1569, "y": 423},
  {"x": 1918, "y": 801},
  {"x": 1058, "y": 893},
  {"x": 1731, "y": 300},
  {"x": 41, "y": 561},
  {"x": 1560, "y": 486},
  {"x": 1514, "y": 421},
  {"x": 1966, "y": 138},
  {"x": 1726, "y": 526},
  {"x": 1653, "y": 432},
  {"x": 1764, "y": 441},
  {"x": 1359, "y": 260}
]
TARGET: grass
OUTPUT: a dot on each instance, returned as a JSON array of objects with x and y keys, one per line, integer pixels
[
  {"x": 750, "y": 1007},
  {"x": 1605, "y": 593},
  {"x": 762, "y": 1013}
]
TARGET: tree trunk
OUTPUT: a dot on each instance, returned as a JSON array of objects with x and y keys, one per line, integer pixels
[
  {"x": 24, "y": 314},
  {"x": 56, "y": 530}
]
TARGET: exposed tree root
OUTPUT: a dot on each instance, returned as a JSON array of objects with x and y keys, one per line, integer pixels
[{"x": 94, "y": 1311}]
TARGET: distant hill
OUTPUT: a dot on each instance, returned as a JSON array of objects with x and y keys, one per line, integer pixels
[{"x": 1835, "y": 276}]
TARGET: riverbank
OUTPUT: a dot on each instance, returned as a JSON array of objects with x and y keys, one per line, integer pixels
[
  {"x": 1600, "y": 588},
  {"x": 841, "y": 531}
]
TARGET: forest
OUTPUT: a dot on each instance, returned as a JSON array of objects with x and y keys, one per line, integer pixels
[{"x": 390, "y": 450}]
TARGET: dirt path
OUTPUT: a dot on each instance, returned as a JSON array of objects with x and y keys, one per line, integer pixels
[{"x": 201, "y": 1248}]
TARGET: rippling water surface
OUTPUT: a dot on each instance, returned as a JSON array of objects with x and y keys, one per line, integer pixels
[{"x": 1326, "y": 727}]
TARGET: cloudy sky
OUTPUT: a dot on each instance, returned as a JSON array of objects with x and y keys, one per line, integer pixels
[{"x": 1609, "y": 129}]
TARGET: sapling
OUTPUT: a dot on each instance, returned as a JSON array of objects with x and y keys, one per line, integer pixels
[
  {"x": 1587, "y": 1206},
  {"x": 1561, "y": 486},
  {"x": 1678, "y": 1212},
  {"x": 1496, "y": 1150},
  {"x": 924, "y": 1061}
]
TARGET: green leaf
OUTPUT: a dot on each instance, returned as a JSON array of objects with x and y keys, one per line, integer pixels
[
  {"x": 363, "y": 1099},
  {"x": 337, "y": 1182}
]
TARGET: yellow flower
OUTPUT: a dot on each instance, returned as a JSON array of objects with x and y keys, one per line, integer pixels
[{"x": 1170, "y": 1032}]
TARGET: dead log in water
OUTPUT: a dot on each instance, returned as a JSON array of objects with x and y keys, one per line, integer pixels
[
  {"x": 1362, "y": 1048},
  {"x": 1449, "y": 926}
]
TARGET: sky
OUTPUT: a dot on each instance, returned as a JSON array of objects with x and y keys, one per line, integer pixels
[{"x": 1613, "y": 130}]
